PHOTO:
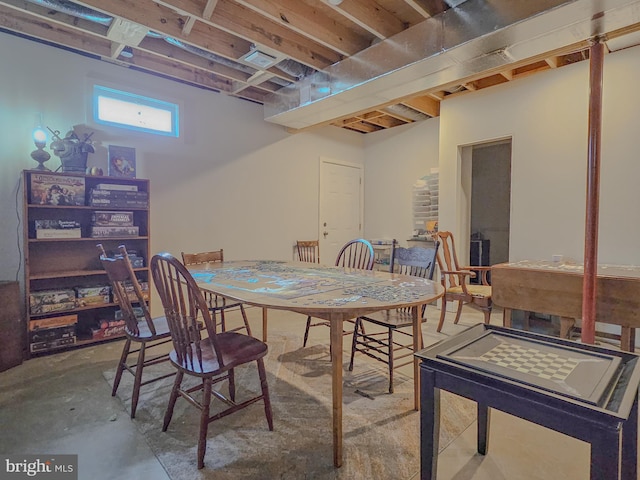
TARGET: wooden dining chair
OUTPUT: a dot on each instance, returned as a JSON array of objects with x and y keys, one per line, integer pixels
[
  {"x": 217, "y": 303},
  {"x": 356, "y": 253},
  {"x": 213, "y": 358},
  {"x": 308, "y": 251},
  {"x": 455, "y": 280},
  {"x": 381, "y": 345},
  {"x": 143, "y": 331}
]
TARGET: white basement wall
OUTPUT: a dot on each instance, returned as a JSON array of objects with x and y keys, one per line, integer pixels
[
  {"x": 233, "y": 181},
  {"x": 546, "y": 117}
]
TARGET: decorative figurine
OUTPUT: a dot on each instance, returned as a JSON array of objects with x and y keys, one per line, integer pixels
[{"x": 72, "y": 151}]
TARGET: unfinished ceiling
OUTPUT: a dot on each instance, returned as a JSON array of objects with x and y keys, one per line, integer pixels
[{"x": 364, "y": 65}]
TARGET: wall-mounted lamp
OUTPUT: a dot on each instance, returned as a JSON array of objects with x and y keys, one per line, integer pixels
[{"x": 39, "y": 155}]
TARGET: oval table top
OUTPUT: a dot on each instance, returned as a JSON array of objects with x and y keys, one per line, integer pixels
[{"x": 313, "y": 289}]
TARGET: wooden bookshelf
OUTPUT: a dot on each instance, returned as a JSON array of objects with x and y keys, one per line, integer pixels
[{"x": 66, "y": 263}]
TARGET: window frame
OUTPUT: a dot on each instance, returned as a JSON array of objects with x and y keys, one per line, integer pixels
[{"x": 136, "y": 99}]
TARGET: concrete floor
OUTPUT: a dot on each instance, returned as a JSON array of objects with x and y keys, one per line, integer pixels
[{"x": 61, "y": 403}]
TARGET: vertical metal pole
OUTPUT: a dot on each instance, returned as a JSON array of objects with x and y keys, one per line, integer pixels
[{"x": 589, "y": 291}]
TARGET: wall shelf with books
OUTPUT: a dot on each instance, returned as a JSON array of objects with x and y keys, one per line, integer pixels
[{"x": 67, "y": 293}]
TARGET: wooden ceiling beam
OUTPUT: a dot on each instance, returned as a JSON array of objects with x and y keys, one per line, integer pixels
[
  {"x": 363, "y": 127},
  {"x": 208, "y": 9},
  {"x": 507, "y": 74},
  {"x": 553, "y": 62},
  {"x": 188, "y": 25},
  {"x": 162, "y": 48},
  {"x": 162, "y": 20},
  {"x": 311, "y": 22},
  {"x": 428, "y": 8},
  {"x": 424, "y": 104},
  {"x": 370, "y": 16},
  {"x": 246, "y": 24},
  {"x": 26, "y": 24},
  {"x": 50, "y": 15},
  {"x": 184, "y": 72},
  {"x": 387, "y": 121}
]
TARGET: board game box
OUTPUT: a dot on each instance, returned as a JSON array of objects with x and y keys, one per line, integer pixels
[
  {"x": 57, "y": 229},
  {"x": 47, "y": 301},
  {"x": 93, "y": 295},
  {"x": 53, "y": 322},
  {"x": 119, "y": 231},
  {"x": 112, "y": 219},
  {"x": 52, "y": 189}
]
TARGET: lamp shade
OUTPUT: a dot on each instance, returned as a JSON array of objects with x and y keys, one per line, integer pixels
[{"x": 39, "y": 137}]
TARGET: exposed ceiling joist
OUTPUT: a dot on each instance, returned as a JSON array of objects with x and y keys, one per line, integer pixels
[{"x": 206, "y": 42}]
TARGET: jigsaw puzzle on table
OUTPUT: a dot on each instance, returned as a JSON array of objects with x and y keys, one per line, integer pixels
[
  {"x": 280, "y": 279},
  {"x": 585, "y": 376},
  {"x": 290, "y": 281}
]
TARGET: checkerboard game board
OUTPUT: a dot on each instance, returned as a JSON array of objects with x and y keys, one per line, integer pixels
[{"x": 547, "y": 365}]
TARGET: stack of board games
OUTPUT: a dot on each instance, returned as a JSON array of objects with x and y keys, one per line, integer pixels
[
  {"x": 53, "y": 332},
  {"x": 107, "y": 224},
  {"x": 114, "y": 195},
  {"x": 52, "y": 189}
]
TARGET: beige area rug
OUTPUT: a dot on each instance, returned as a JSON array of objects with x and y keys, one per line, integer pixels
[{"x": 381, "y": 430}]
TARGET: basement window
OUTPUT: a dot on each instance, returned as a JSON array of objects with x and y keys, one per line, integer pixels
[{"x": 134, "y": 112}]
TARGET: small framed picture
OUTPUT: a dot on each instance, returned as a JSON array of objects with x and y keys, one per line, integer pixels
[{"x": 122, "y": 161}]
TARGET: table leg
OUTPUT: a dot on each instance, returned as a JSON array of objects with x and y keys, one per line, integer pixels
[
  {"x": 429, "y": 425},
  {"x": 605, "y": 455},
  {"x": 626, "y": 342},
  {"x": 336, "y": 364},
  {"x": 630, "y": 444},
  {"x": 484, "y": 419},
  {"x": 566, "y": 324},
  {"x": 417, "y": 335},
  {"x": 506, "y": 317},
  {"x": 264, "y": 325}
]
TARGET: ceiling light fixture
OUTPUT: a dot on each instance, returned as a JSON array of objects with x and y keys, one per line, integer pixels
[
  {"x": 127, "y": 52},
  {"x": 335, "y": 2},
  {"x": 259, "y": 59}
]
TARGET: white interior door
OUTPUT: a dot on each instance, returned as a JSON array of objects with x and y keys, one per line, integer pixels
[{"x": 341, "y": 206}]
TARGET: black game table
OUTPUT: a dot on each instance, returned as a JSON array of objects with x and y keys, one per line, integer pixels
[{"x": 586, "y": 392}]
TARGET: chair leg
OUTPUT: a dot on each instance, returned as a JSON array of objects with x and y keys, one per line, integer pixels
[
  {"x": 390, "y": 340},
  {"x": 172, "y": 401},
  {"x": 356, "y": 329},
  {"x": 223, "y": 321},
  {"x": 138, "y": 379},
  {"x": 458, "y": 312},
  {"x": 487, "y": 316},
  {"x": 204, "y": 421},
  {"x": 306, "y": 332},
  {"x": 246, "y": 321},
  {"x": 121, "y": 364},
  {"x": 443, "y": 311},
  {"x": 265, "y": 392},
  {"x": 232, "y": 385}
]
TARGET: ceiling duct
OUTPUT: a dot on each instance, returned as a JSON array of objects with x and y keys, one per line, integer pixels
[
  {"x": 75, "y": 10},
  {"x": 405, "y": 112},
  {"x": 476, "y": 36}
]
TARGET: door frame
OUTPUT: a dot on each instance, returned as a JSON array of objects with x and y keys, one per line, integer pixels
[{"x": 322, "y": 160}]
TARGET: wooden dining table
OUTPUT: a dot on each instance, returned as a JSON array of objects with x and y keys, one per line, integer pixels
[{"x": 335, "y": 294}]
